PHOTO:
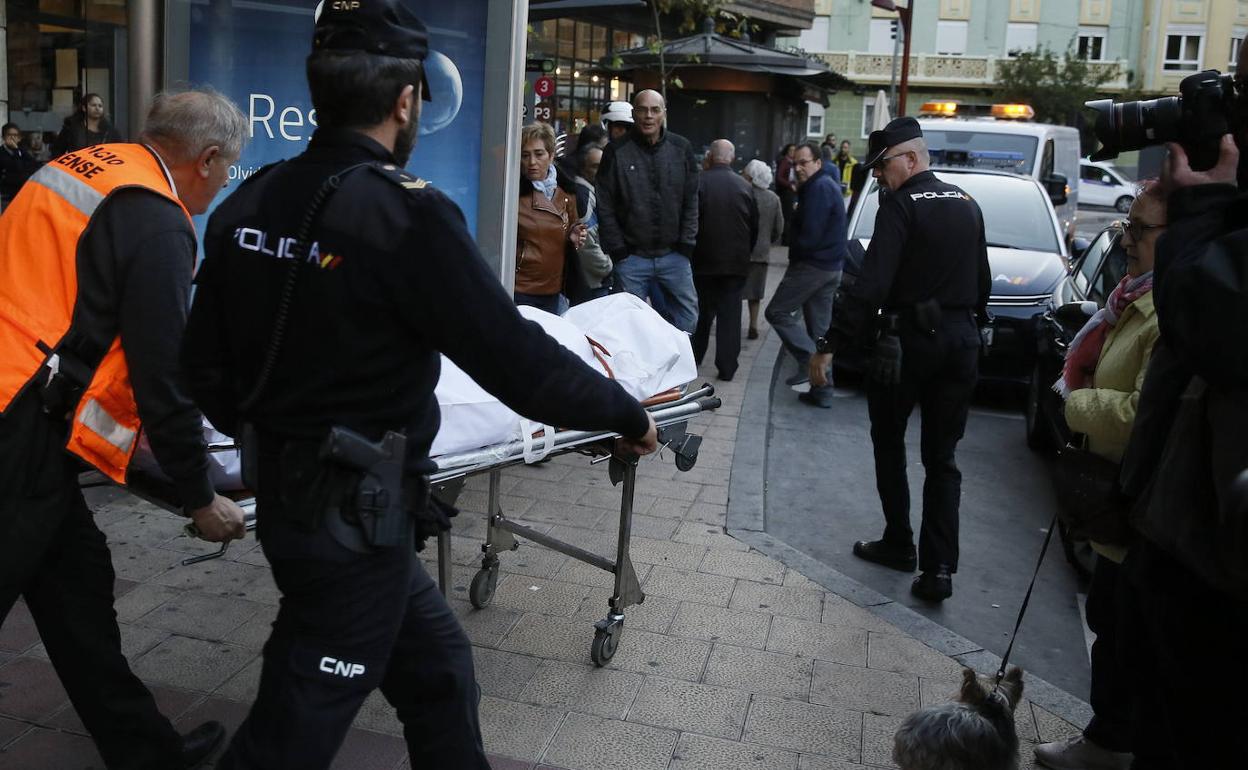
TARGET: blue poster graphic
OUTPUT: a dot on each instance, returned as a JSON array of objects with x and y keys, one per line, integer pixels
[{"x": 254, "y": 53}]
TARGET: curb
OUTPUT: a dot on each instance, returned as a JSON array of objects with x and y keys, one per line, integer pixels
[{"x": 746, "y": 521}]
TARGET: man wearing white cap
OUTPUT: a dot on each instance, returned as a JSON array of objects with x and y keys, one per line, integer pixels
[{"x": 618, "y": 119}]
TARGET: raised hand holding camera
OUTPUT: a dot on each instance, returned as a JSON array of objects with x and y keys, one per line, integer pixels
[{"x": 1177, "y": 170}]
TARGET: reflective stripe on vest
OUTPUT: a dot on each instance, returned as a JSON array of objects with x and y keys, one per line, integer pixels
[{"x": 39, "y": 238}]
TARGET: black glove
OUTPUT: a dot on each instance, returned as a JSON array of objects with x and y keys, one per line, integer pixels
[{"x": 885, "y": 366}]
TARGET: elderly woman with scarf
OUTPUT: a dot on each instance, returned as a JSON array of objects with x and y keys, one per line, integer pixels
[
  {"x": 546, "y": 224},
  {"x": 1101, "y": 382}
]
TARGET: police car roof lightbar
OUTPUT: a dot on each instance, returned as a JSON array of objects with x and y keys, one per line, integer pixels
[
  {"x": 1013, "y": 111},
  {"x": 946, "y": 109}
]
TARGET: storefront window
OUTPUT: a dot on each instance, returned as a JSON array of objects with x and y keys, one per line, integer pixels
[
  {"x": 60, "y": 50},
  {"x": 583, "y": 85}
]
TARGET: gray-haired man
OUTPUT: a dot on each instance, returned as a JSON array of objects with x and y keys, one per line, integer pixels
[{"x": 80, "y": 369}]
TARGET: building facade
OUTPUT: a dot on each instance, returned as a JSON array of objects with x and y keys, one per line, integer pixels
[{"x": 957, "y": 45}]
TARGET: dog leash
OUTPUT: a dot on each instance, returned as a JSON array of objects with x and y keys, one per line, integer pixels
[{"x": 1005, "y": 659}]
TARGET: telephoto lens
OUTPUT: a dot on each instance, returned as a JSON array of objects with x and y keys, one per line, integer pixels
[{"x": 1135, "y": 125}]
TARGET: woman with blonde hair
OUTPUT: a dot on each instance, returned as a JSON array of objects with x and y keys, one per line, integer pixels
[
  {"x": 545, "y": 225},
  {"x": 770, "y": 231}
]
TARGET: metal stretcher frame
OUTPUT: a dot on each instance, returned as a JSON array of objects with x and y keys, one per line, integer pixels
[{"x": 671, "y": 414}]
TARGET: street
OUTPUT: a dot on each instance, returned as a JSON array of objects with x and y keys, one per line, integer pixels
[{"x": 1091, "y": 220}]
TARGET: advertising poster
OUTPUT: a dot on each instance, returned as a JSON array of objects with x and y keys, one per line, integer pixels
[{"x": 254, "y": 52}]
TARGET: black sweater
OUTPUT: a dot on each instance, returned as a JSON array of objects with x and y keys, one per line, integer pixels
[{"x": 134, "y": 278}]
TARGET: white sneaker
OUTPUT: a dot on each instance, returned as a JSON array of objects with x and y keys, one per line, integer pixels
[{"x": 1079, "y": 753}]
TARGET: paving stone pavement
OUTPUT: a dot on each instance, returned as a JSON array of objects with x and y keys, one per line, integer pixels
[{"x": 733, "y": 661}]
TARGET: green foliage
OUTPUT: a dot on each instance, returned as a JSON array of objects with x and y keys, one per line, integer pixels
[{"x": 1055, "y": 86}]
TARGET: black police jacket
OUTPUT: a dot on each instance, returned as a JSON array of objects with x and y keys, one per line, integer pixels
[
  {"x": 928, "y": 243},
  {"x": 392, "y": 278}
]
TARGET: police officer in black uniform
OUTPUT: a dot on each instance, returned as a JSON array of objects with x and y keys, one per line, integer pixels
[
  {"x": 329, "y": 286},
  {"x": 922, "y": 294}
]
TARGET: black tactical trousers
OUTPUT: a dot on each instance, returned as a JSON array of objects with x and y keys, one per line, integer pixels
[
  {"x": 349, "y": 623},
  {"x": 54, "y": 556},
  {"x": 938, "y": 373}
]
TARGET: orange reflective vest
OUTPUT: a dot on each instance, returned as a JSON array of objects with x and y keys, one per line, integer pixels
[{"x": 39, "y": 236}]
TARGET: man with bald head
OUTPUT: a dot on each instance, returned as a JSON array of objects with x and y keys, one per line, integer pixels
[
  {"x": 727, "y": 230},
  {"x": 647, "y": 192}
]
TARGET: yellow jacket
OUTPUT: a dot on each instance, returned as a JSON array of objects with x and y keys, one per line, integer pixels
[{"x": 1105, "y": 412}]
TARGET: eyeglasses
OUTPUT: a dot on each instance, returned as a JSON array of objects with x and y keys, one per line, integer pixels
[
  {"x": 647, "y": 110},
  {"x": 1136, "y": 229},
  {"x": 887, "y": 158},
  {"x": 807, "y": 162},
  {"x": 13, "y": 135}
]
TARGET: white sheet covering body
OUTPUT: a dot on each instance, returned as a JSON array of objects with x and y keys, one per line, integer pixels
[{"x": 646, "y": 355}]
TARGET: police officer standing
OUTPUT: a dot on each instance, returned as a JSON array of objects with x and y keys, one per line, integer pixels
[
  {"x": 330, "y": 283},
  {"x": 925, "y": 281}
]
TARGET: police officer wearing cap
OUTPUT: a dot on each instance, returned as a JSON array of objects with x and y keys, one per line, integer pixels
[
  {"x": 922, "y": 297},
  {"x": 330, "y": 284}
]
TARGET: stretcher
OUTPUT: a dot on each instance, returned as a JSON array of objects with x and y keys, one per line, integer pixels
[{"x": 671, "y": 412}]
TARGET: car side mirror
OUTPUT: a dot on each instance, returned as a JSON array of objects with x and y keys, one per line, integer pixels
[
  {"x": 1058, "y": 188},
  {"x": 1078, "y": 246},
  {"x": 1073, "y": 315}
]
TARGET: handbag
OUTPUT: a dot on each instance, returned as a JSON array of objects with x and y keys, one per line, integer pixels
[{"x": 1088, "y": 498}]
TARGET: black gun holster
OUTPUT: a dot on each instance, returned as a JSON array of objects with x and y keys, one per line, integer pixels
[{"x": 354, "y": 488}]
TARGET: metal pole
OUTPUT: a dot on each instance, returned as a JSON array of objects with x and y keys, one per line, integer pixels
[
  {"x": 905, "y": 14},
  {"x": 892, "y": 83},
  {"x": 4, "y": 65},
  {"x": 143, "y": 19}
]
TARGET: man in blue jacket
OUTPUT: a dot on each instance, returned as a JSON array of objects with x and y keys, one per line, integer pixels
[{"x": 816, "y": 256}]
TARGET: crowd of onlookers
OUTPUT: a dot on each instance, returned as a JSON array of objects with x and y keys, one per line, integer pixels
[
  {"x": 24, "y": 152},
  {"x": 633, "y": 208}
]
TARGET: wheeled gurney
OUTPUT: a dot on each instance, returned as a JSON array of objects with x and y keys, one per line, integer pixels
[{"x": 671, "y": 412}]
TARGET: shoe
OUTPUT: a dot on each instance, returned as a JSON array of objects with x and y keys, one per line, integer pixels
[
  {"x": 886, "y": 554},
  {"x": 725, "y": 377},
  {"x": 815, "y": 399},
  {"x": 933, "y": 586},
  {"x": 1079, "y": 753},
  {"x": 752, "y": 334},
  {"x": 200, "y": 743}
]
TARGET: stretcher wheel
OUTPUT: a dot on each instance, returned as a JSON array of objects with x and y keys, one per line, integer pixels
[
  {"x": 685, "y": 464},
  {"x": 482, "y": 589},
  {"x": 607, "y": 635}
]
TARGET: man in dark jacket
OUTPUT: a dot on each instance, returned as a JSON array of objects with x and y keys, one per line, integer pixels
[
  {"x": 648, "y": 210},
  {"x": 816, "y": 256},
  {"x": 727, "y": 230},
  {"x": 16, "y": 164},
  {"x": 1186, "y": 597}
]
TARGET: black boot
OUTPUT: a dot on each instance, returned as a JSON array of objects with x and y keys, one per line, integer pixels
[
  {"x": 198, "y": 744},
  {"x": 882, "y": 552},
  {"x": 934, "y": 586}
]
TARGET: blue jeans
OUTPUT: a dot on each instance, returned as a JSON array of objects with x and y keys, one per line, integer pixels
[
  {"x": 809, "y": 291},
  {"x": 674, "y": 276}
]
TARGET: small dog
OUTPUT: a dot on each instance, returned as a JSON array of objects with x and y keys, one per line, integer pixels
[{"x": 974, "y": 732}]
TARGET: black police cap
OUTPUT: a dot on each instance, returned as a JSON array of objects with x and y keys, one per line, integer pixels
[
  {"x": 897, "y": 131},
  {"x": 384, "y": 27}
]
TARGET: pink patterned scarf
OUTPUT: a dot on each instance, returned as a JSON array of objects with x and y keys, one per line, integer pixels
[{"x": 1085, "y": 350}]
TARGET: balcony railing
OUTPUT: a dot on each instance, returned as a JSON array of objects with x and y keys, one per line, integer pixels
[{"x": 943, "y": 70}]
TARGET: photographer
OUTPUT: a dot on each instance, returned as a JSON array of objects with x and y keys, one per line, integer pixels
[{"x": 1187, "y": 574}]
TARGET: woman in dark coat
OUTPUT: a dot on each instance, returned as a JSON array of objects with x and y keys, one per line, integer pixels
[{"x": 84, "y": 128}]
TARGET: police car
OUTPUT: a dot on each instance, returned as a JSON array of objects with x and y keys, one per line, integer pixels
[
  {"x": 1002, "y": 137},
  {"x": 1026, "y": 252}
]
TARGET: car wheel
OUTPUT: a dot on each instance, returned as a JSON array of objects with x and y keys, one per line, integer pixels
[
  {"x": 1123, "y": 204},
  {"x": 1038, "y": 438}
]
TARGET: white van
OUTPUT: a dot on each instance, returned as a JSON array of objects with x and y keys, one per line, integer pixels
[
  {"x": 1103, "y": 184},
  {"x": 1047, "y": 153}
]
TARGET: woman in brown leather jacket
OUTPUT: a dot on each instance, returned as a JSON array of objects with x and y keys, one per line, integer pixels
[{"x": 546, "y": 224}]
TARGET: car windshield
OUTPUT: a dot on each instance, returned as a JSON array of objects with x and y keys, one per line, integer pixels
[
  {"x": 981, "y": 149},
  {"x": 1016, "y": 212}
]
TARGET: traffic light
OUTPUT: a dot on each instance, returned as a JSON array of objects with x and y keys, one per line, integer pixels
[
  {"x": 545, "y": 66},
  {"x": 892, "y": 29}
]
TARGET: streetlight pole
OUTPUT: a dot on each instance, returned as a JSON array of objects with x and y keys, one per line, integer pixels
[
  {"x": 904, "y": 13},
  {"x": 892, "y": 83}
]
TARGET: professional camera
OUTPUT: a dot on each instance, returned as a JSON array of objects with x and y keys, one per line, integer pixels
[{"x": 1197, "y": 120}]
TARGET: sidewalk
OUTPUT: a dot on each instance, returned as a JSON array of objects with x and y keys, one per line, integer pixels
[{"x": 733, "y": 661}]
